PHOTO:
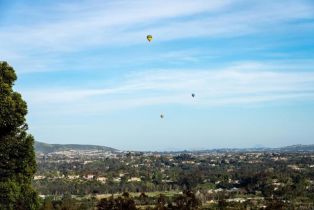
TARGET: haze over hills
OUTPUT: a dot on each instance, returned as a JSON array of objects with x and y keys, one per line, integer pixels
[
  {"x": 291, "y": 148},
  {"x": 48, "y": 148}
]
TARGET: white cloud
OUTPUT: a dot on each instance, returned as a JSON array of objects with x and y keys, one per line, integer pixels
[
  {"x": 237, "y": 85},
  {"x": 62, "y": 28},
  {"x": 101, "y": 23}
]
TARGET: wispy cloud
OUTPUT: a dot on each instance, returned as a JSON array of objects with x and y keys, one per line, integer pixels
[
  {"x": 241, "y": 84},
  {"x": 59, "y": 29},
  {"x": 99, "y": 22}
]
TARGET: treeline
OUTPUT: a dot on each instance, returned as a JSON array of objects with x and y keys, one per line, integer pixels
[{"x": 185, "y": 201}]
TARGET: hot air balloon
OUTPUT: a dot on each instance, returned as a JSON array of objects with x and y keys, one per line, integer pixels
[
  {"x": 161, "y": 116},
  {"x": 193, "y": 95},
  {"x": 149, "y": 37}
]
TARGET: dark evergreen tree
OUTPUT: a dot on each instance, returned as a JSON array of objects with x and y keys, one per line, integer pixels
[
  {"x": 120, "y": 203},
  {"x": 17, "y": 157}
]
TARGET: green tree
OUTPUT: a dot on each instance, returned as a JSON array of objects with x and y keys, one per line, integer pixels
[
  {"x": 67, "y": 203},
  {"x": 47, "y": 205},
  {"x": 17, "y": 157},
  {"x": 121, "y": 203},
  {"x": 187, "y": 201}
]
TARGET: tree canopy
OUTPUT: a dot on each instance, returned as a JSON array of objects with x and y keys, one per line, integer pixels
[{"x": 17, "y": 157}]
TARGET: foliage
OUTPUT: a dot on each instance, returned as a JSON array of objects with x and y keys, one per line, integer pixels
[
  {"x": 120, "y": 203},
  {"x": 17, "y": 157}
]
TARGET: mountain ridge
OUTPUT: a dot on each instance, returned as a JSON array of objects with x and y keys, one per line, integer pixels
[{"x": 48, "y": 148}]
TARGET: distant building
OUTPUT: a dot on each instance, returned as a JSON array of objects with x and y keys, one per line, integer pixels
[
  {"x": 89, "y": 176},
  {"x": 294, "y": 167},
  {"x": 71, "y": 177},
  {"x": 117, "y": 179},
  {"x": 238, "y": 200},
  {"x": 39, "y": 177},
  {"x": 102, "y": 179},
  {"x": 134, "y": 179}
]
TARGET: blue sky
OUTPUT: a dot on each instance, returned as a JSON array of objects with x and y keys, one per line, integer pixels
[{"x": 89, "y": 75}]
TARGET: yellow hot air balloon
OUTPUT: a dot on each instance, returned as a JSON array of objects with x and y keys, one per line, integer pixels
[{"x": 149, "y": 37}]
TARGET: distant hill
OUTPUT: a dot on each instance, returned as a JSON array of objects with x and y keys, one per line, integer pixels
[
  {"x": 47, "y": 148},
  {"x": 292, "y": 148},
  {"x": 298, "y": 147}
]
